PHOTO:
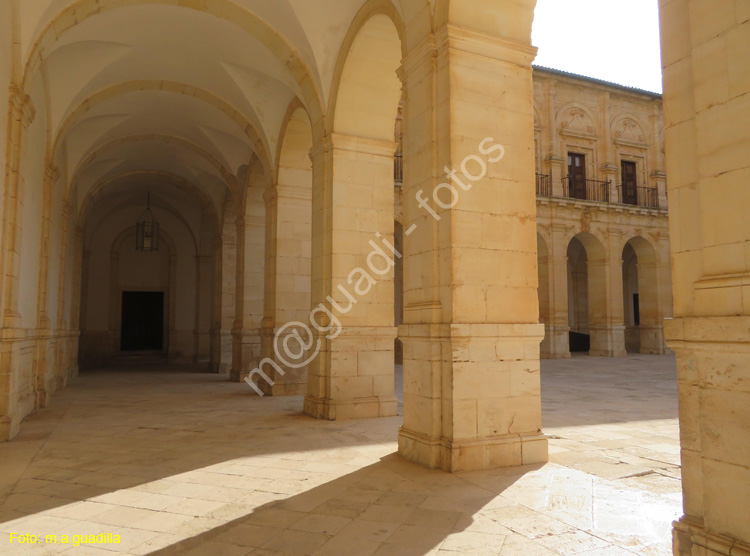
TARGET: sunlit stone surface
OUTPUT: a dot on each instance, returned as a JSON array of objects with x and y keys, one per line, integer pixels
[{"x": 176, "y": 462}]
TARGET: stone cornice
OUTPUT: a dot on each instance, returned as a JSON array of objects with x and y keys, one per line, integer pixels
[
  {"x": 281, "y": 191},
  {"x": 452, "y": 37},
  {"x": 244, "y": 222},
  {"x": 365, "y": 145},
  {"x": 425, "y": 51}
]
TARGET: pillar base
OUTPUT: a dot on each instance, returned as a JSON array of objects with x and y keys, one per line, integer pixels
[
  {"x": 510, "y": 450},
  {"x": 294, "y": 380},
  {"x": 652, "y": 339},
  {"x": 245, "y": 352},
  {"x": 9, "y": 428},
  {"x": 358, "y": 408},
  {"x": 283, "y": 389},
  {"x": 236, "y": 375},
  {"x": 555, "y": 344},
  {"x": 690, "y": 538},
  {"x": 607, "y": 341}
]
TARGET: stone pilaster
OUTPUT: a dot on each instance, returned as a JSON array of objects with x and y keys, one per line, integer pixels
[{"x": 22, "y": 115}]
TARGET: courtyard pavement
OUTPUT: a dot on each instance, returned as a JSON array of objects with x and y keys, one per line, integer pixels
[{"x": 182, "y": 463}]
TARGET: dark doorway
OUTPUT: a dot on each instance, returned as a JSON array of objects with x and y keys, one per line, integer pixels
[
  {"x": 577, "y": 176},
  {"x": 629, "y": 183},
  {"x": 636, "y": 310},
  {"x": 142, "y": 321},
  {"x": 578, "y": 342}
]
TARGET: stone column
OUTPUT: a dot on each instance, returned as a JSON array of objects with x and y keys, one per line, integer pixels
[
  {"x": 353, "y": 376},
  {"x": 51, "y": 175},
  {"x": 609, "y": 168},
  {"x": 45, "y": 366},
  {"x": 657, "y": 176},
  {"x": 706, "y": 71},
  {"x": 606, "y": 311},
  {"x": 658, "y": 180},
  {"x": 554, "y": 163},
  {"x": 203, "y": 291},
  {"x": 115, "y": 310},
  {"x": 64, "y": 322},
  {"x": 287, "y": 282},
  {"x": 80, "y": 276},
  {"x": 545, "y": 298},
  {"x": 248, "y": 296},
  {"x": 226, "y": 278},
  {"x": 651, "y": 307},
  {"x": 559, "y": 325},
  {"x": 470, "y": 332},
  {"x": 170, "y": 347}
]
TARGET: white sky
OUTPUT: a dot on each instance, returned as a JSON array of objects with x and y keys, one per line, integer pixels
[{"x": 607, "y": 39}]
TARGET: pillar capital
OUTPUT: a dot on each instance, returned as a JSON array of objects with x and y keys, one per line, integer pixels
[
  {"x": 290, "y": 192},
  {"x": 52, "y": 173},
  {"x": 418, "y": 57},
  {"x": 22, "y": 105},
  {"x": 243, "y": 222}
]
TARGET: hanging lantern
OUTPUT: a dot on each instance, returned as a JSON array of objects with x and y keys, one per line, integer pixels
[{"x": 147, "y": 230}]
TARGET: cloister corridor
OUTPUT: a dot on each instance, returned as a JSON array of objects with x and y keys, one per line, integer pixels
[{"x": 181, "y": 462}]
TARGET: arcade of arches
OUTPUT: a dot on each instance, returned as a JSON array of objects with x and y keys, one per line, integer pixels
[{"x": 264, "y": 134}]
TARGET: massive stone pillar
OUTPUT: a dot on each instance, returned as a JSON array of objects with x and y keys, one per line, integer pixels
[
  {"x": 606, "y": 315},
  {"x": 651, "y": 307},
  {"x": 352, "y": 279},
  {"x": 250, "y": 263},
  {"x": 470, "y": 332},
  {"x": 225, "y": 275},
  {"x": 287, "y": 283},
  {"x": 706, "y": 79}
]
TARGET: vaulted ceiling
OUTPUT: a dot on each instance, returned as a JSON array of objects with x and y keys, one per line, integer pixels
[{"x": 160, "y": 89}]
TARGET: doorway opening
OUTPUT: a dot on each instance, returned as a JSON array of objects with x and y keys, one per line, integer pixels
[{"x": 142, "y": 321}]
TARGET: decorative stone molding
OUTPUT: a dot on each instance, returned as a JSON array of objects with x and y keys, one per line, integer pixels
[
  {"x": 487, "y": 46},
  {"x": 692, "y": 538},
  {"x": 576, "y": 122},
  {"x": 366, "y": 145},
  {"x": 629, "y": 132},
  {"x": 23, "y": 106},
  {"x": 52, "y": 173}
]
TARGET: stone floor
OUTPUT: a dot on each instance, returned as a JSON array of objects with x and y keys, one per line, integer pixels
[{"x": 176, "y": 462}]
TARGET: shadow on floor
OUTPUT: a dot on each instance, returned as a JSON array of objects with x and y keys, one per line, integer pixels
[{"x": 390, "y": 507}]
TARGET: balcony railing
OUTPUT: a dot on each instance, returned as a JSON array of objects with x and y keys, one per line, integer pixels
[
  {"x": 596, "y": 190},
  {"x": 588, "y": 190},
  {"x": 543, "y": 185},
  {"x": 644, "y": 197}
]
